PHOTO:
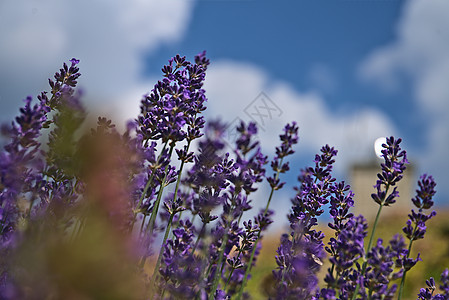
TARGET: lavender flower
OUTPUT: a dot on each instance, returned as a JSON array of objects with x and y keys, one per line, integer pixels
[
  {"x": 423, "y": 200},
  {"x": 313, "y": 193},
  {"x": 345, "y": 250},
  {"x": 20, "y": 162},
  {"x": 445, "y": 283},
  {"x": 392, "y": 170},
  {"x": 341, "y": 202},
  {"x": 251, "y": 170},
  {"x": 427, "y": 293},
  {"x": 295, "y": 277},
  {"x": 306, "y": 246},
  {"x": 181, "y": 272},
  {"x": 52, "y": 198},
  {"x": 175, "y": 102},
  {"x": 288, "y": 139},
  {"x": 380, "y": 266}
]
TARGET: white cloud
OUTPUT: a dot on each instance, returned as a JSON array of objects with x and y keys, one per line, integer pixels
[
  {"x": 421, "y": 53},
  {"x": 109, "y": 37},
  {"x": 232, "y": 86}
]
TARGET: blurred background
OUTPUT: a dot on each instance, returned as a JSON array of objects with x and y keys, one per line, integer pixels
[{"x": 347, "y": 71}]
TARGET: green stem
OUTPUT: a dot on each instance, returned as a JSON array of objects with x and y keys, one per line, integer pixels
[
  {"x": 232, "y": 271},
  {"x": 269, "y": 200},
  {"x": 142, "y": 225},
  {"x": 401, "y": 288},
  {"x": 373, "y": 230},
  {"x": 203, "y": 228},
  {"x": 156, "y": 206},
  {"x": 253, "y": 252},
  {"x": 145, "y": 190},
  {"x": 248, "y": 268},
  {"x": 178, "y": 181},
  {"x": 159, "y": 196},
  {"x": 217, "y": 275},
  {"x": 217, "y": 271},
  {"x": 159, "y": 258},
  {"x": 354, "y": 296}
]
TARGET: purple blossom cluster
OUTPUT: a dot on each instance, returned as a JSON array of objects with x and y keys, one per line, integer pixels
[{"x": 162, "y": 209}]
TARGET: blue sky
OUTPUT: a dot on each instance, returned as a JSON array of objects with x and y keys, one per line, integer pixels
[
  {"x": 347, "y": 71},
  {"x": 297, "y": 41}
]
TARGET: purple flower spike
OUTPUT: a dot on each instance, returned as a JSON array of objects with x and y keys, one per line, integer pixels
[
  {"x": 416, "y": 224},
  {"x": 392, "y": 170},
  {"x": 171, "y": 111},
  {"x": 424, "y": 195},
  {"x": 288, "y": 139}
]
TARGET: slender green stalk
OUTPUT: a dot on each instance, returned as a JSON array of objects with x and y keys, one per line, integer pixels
[
  {"x": 178, "y": 181},
  {"x": 354, "y": 296},
  {"x": 142, "y": 225},
  {"x": 159, "y": 258},
  {"x": 217, "y": 271},
  {"x": 401, "y": 288},
  {"x": 221, "y": 253},
  {"x": 200, "y": 235},
  {"x": 357, "y": 288},
  {"x": 232, "y": 271},
  {"x": 153, "y": 216},
  {"x": 253, "y": 252},
  {"x": 167, "y": 230},
  {"x": 269, "y": 200},
  {"x": 145, "y": 190},
  {"x": 159, "y": 197},
  {"x": 374, "y": 229},
  {"x": 248, "y": 268}
]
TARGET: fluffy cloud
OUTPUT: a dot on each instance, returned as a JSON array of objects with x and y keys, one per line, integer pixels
[
  {"x": 421, "y": 53},
  {"x": 109, "y": 37},
  {"x": 233, "y": 89}
]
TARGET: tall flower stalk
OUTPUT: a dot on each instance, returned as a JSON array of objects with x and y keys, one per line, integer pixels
[
  {"x": 288, "y": 139},
  {"x": 416, "y": 224},
  {"x": 393, "y": 167}
]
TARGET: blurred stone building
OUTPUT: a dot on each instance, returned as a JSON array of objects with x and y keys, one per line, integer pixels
[{"x": 364, "y": 176}]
